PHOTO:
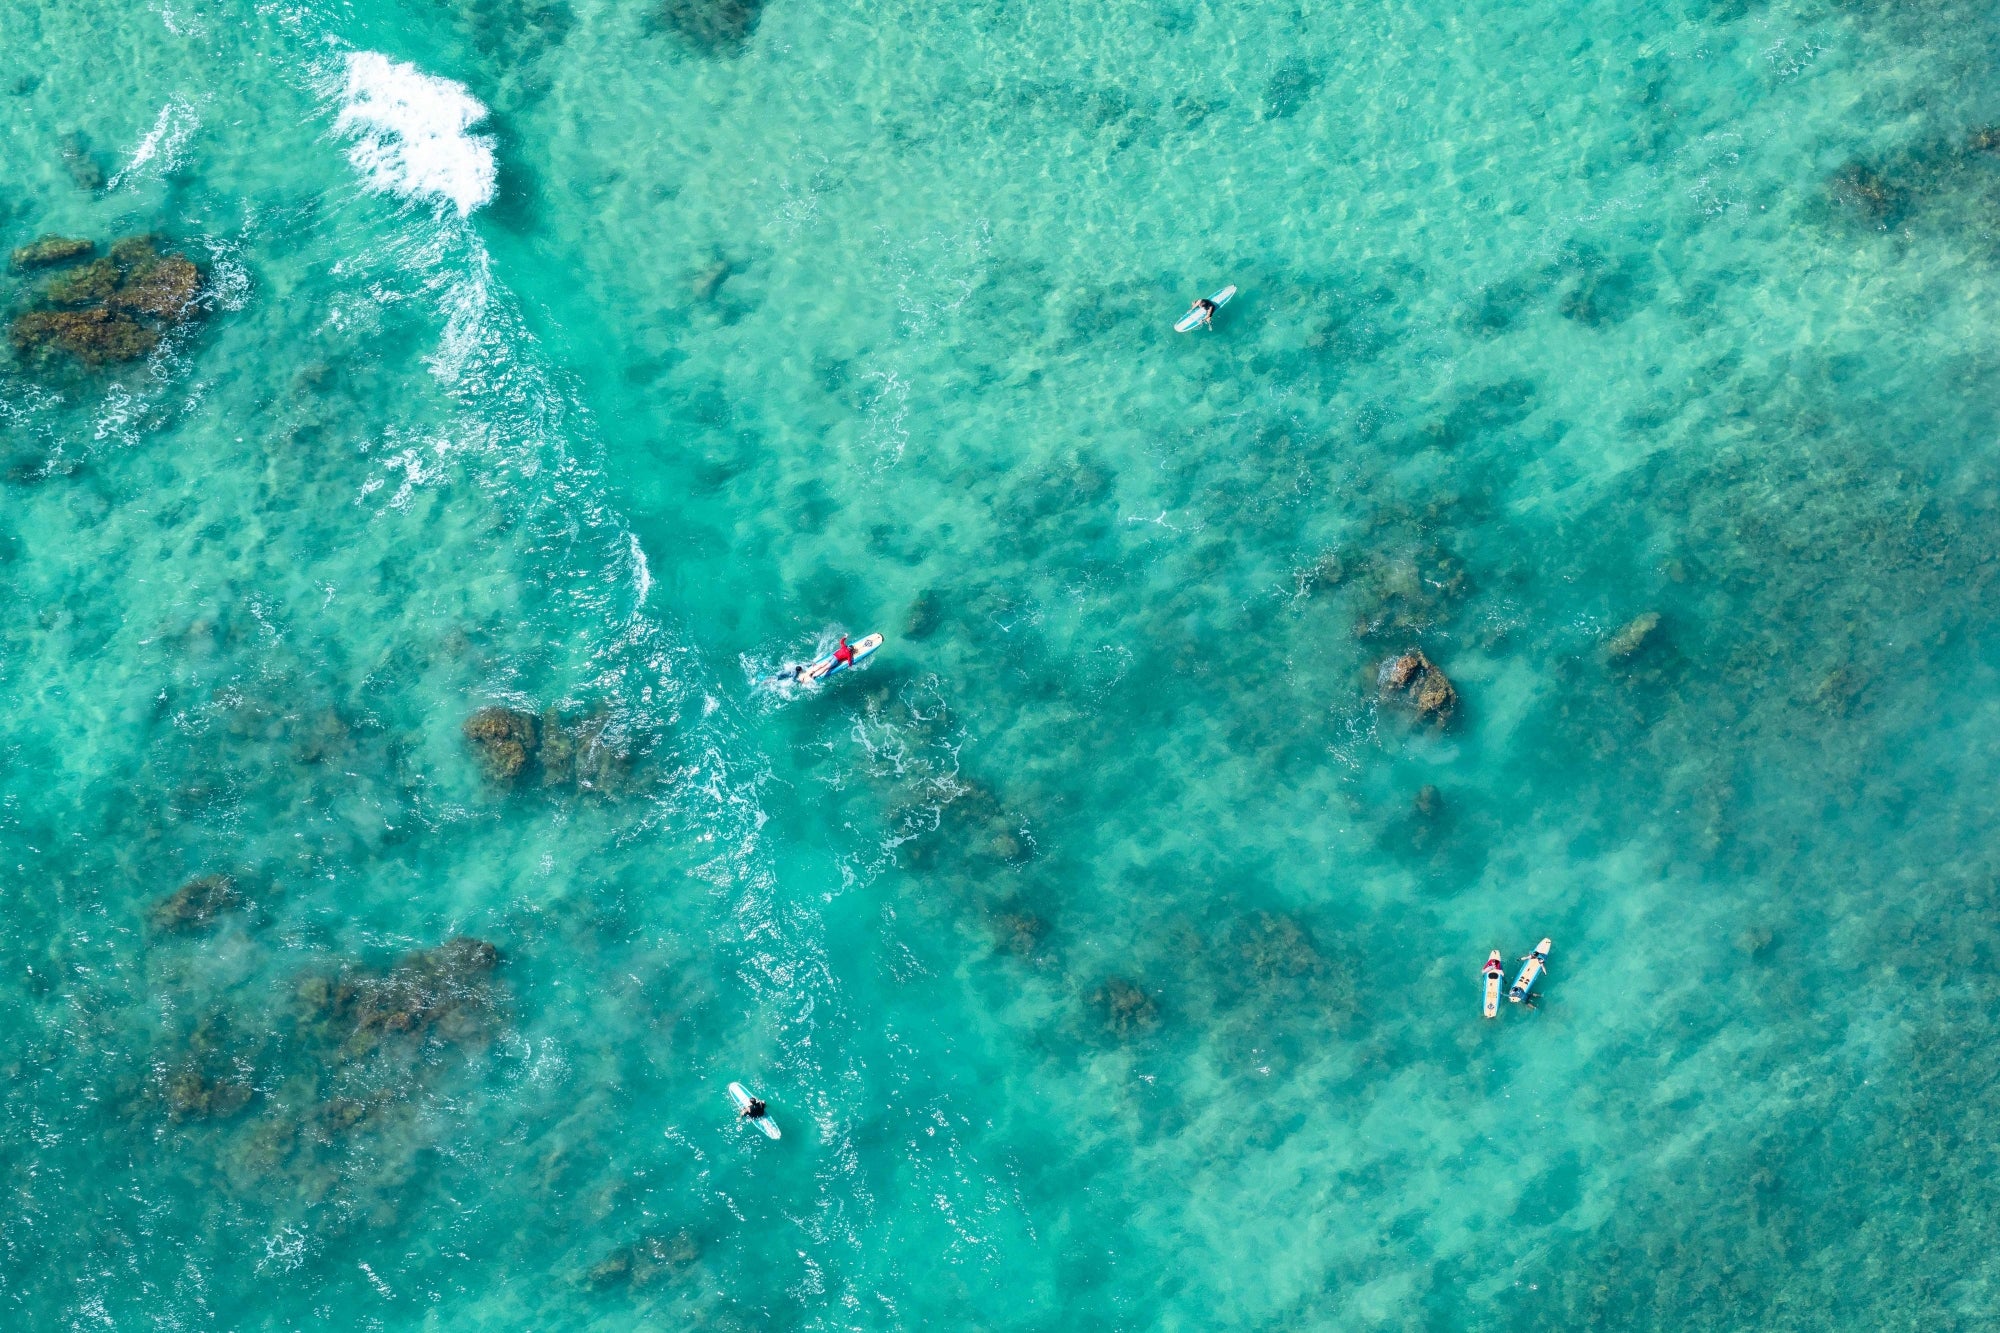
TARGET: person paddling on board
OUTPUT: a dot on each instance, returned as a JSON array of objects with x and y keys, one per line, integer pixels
[
  {"x": 754, "y": 1110},
  {"x": 1494, "y": 967},
  {"x": 1206, "y": 308},
  {"x": 843, "y": 655}
]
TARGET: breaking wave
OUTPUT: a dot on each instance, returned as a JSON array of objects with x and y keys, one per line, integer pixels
[
  {"x": 412, "y": 133},
  {"x": 172, "y": 128}
]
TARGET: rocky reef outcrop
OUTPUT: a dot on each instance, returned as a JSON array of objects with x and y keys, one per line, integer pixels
[
  {"x": 112, "y": 309},
  {"x": 503, "y": 740},
  {"x": 444, "y": 993},
  {"x": 1632, "y": 636},
  {"x": 517, "y": 748},
  {"x": 1417, "y": 682},
  {"x": 196, "y": 905},
  {"x": 1125, "y": 1008},
  {"x": 191, "y": 1094},
  {"x": 644, "y": 1262},
  {"x": 49, "y": 250}
]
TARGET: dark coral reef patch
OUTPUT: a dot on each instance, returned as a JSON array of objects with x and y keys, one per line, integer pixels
[
  {"x": 713, "y": 28},
  {"x": 518, "y": 748},
  {"x": 444, "y": 994},
  {"x": 197, "y": 904},
  {"x": 112, "y": 309}
]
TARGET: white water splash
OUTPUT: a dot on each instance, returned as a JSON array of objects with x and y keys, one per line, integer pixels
[
  {"x": 412, "y": 133},
  {"x": 642, "y": 574},
  {"x": 172, "y": 128}
]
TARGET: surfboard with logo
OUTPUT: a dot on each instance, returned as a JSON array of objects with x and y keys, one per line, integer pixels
[
  {"x": 1536, "y": 964},
  {"x": 819, "y": 669}
]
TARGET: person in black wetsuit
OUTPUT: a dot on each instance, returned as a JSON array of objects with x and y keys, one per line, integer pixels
[
  {"x": 1207, "y": 308},
  {"x": 754, "y": 1110}
]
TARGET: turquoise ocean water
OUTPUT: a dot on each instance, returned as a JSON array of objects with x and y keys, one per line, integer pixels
[{"x": 1108, "y": 948}]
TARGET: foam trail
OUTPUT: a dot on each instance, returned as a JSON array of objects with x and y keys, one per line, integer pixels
[
  {"x": 173, "y": 127},
  {"x": 642, "y": 573},
  {"x": 528, "y": 438},
  {"x": 412, "y": 133}
]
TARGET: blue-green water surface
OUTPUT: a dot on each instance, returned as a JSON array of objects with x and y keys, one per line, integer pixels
[{"x": 1108, "y": 947}]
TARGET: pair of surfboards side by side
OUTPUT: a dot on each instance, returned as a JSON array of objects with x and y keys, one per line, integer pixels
[
  {"x": 1193, "y": 318},
  {"x": 1496, "y": 976}
]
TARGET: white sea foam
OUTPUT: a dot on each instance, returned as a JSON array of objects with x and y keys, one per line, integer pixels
[
  {"x": 642, "y": 574},
  {"x": 412, "y": 133},
  {"x": 172, "y": 128}
]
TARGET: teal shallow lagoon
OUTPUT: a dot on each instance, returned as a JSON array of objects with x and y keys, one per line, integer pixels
[{"x": 1097, "y": 947}]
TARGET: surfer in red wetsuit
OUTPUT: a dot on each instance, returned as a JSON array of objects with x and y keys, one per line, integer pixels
[
  {"x": 843, "y": 655},
  {"x": 1493, "y": 968}
]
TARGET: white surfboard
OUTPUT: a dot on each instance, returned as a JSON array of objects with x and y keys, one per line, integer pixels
[
  {"x": 1536, "y": 964},
  {"x": 763, "y": 1122},
  {"x": 1496, "y": 976},
  {"x": 1193, "y": 317},
  {"x": 827, "y": 666}
]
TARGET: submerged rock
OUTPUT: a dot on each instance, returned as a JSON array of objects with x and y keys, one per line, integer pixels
[
  {"x": 1329, "y": 571},
  {"x": 644, "y": 1262},
  {"x": 707, "y": 284},
  {"x": 557, "y": 752},
  {"x": 191, "y": 1096},
  {"x": 502, "y": 739},
  {"x": 50, "y": 250},
  {"x": 93, "y": 284},
  {"x": 714, "y": 28},
  {"x": 924, "y": 615},
  {"x": 602, "y": 763},
  {"x": 1413, "y": 678},
  {"x": 1868, "y": 192},
  {"x": 196, "y": 904},
  {"x": 111, "y": 309},
  {"x": 446, "y": 992},
  {"x": 1020, "y": 933},
  {"x": 1426, "y": 817},
  {"x": 511, "y": 743},
  {"x": 163, "y": 286},
  {"x": 82, "y": 162},
  {"x": 1126, "y": 1008},
  {"x": 1394, "y": 592},
  {"x": 92, "y": 337},
  {"x": 1633, "y": 636},
  {"x": 320, "y": 737},
  {"x": 1278, "y": 947}
]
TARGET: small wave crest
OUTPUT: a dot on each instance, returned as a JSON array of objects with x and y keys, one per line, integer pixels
[
  {"x": 172, "y": 128},
  {"x": 412, "y": 133}
]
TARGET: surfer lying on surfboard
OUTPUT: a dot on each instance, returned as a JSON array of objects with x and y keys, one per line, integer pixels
[
  {"x": 842, "y": 658},
  {"x": 1205, "y": 309},
  {"x": 1536, "y": 964}
]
